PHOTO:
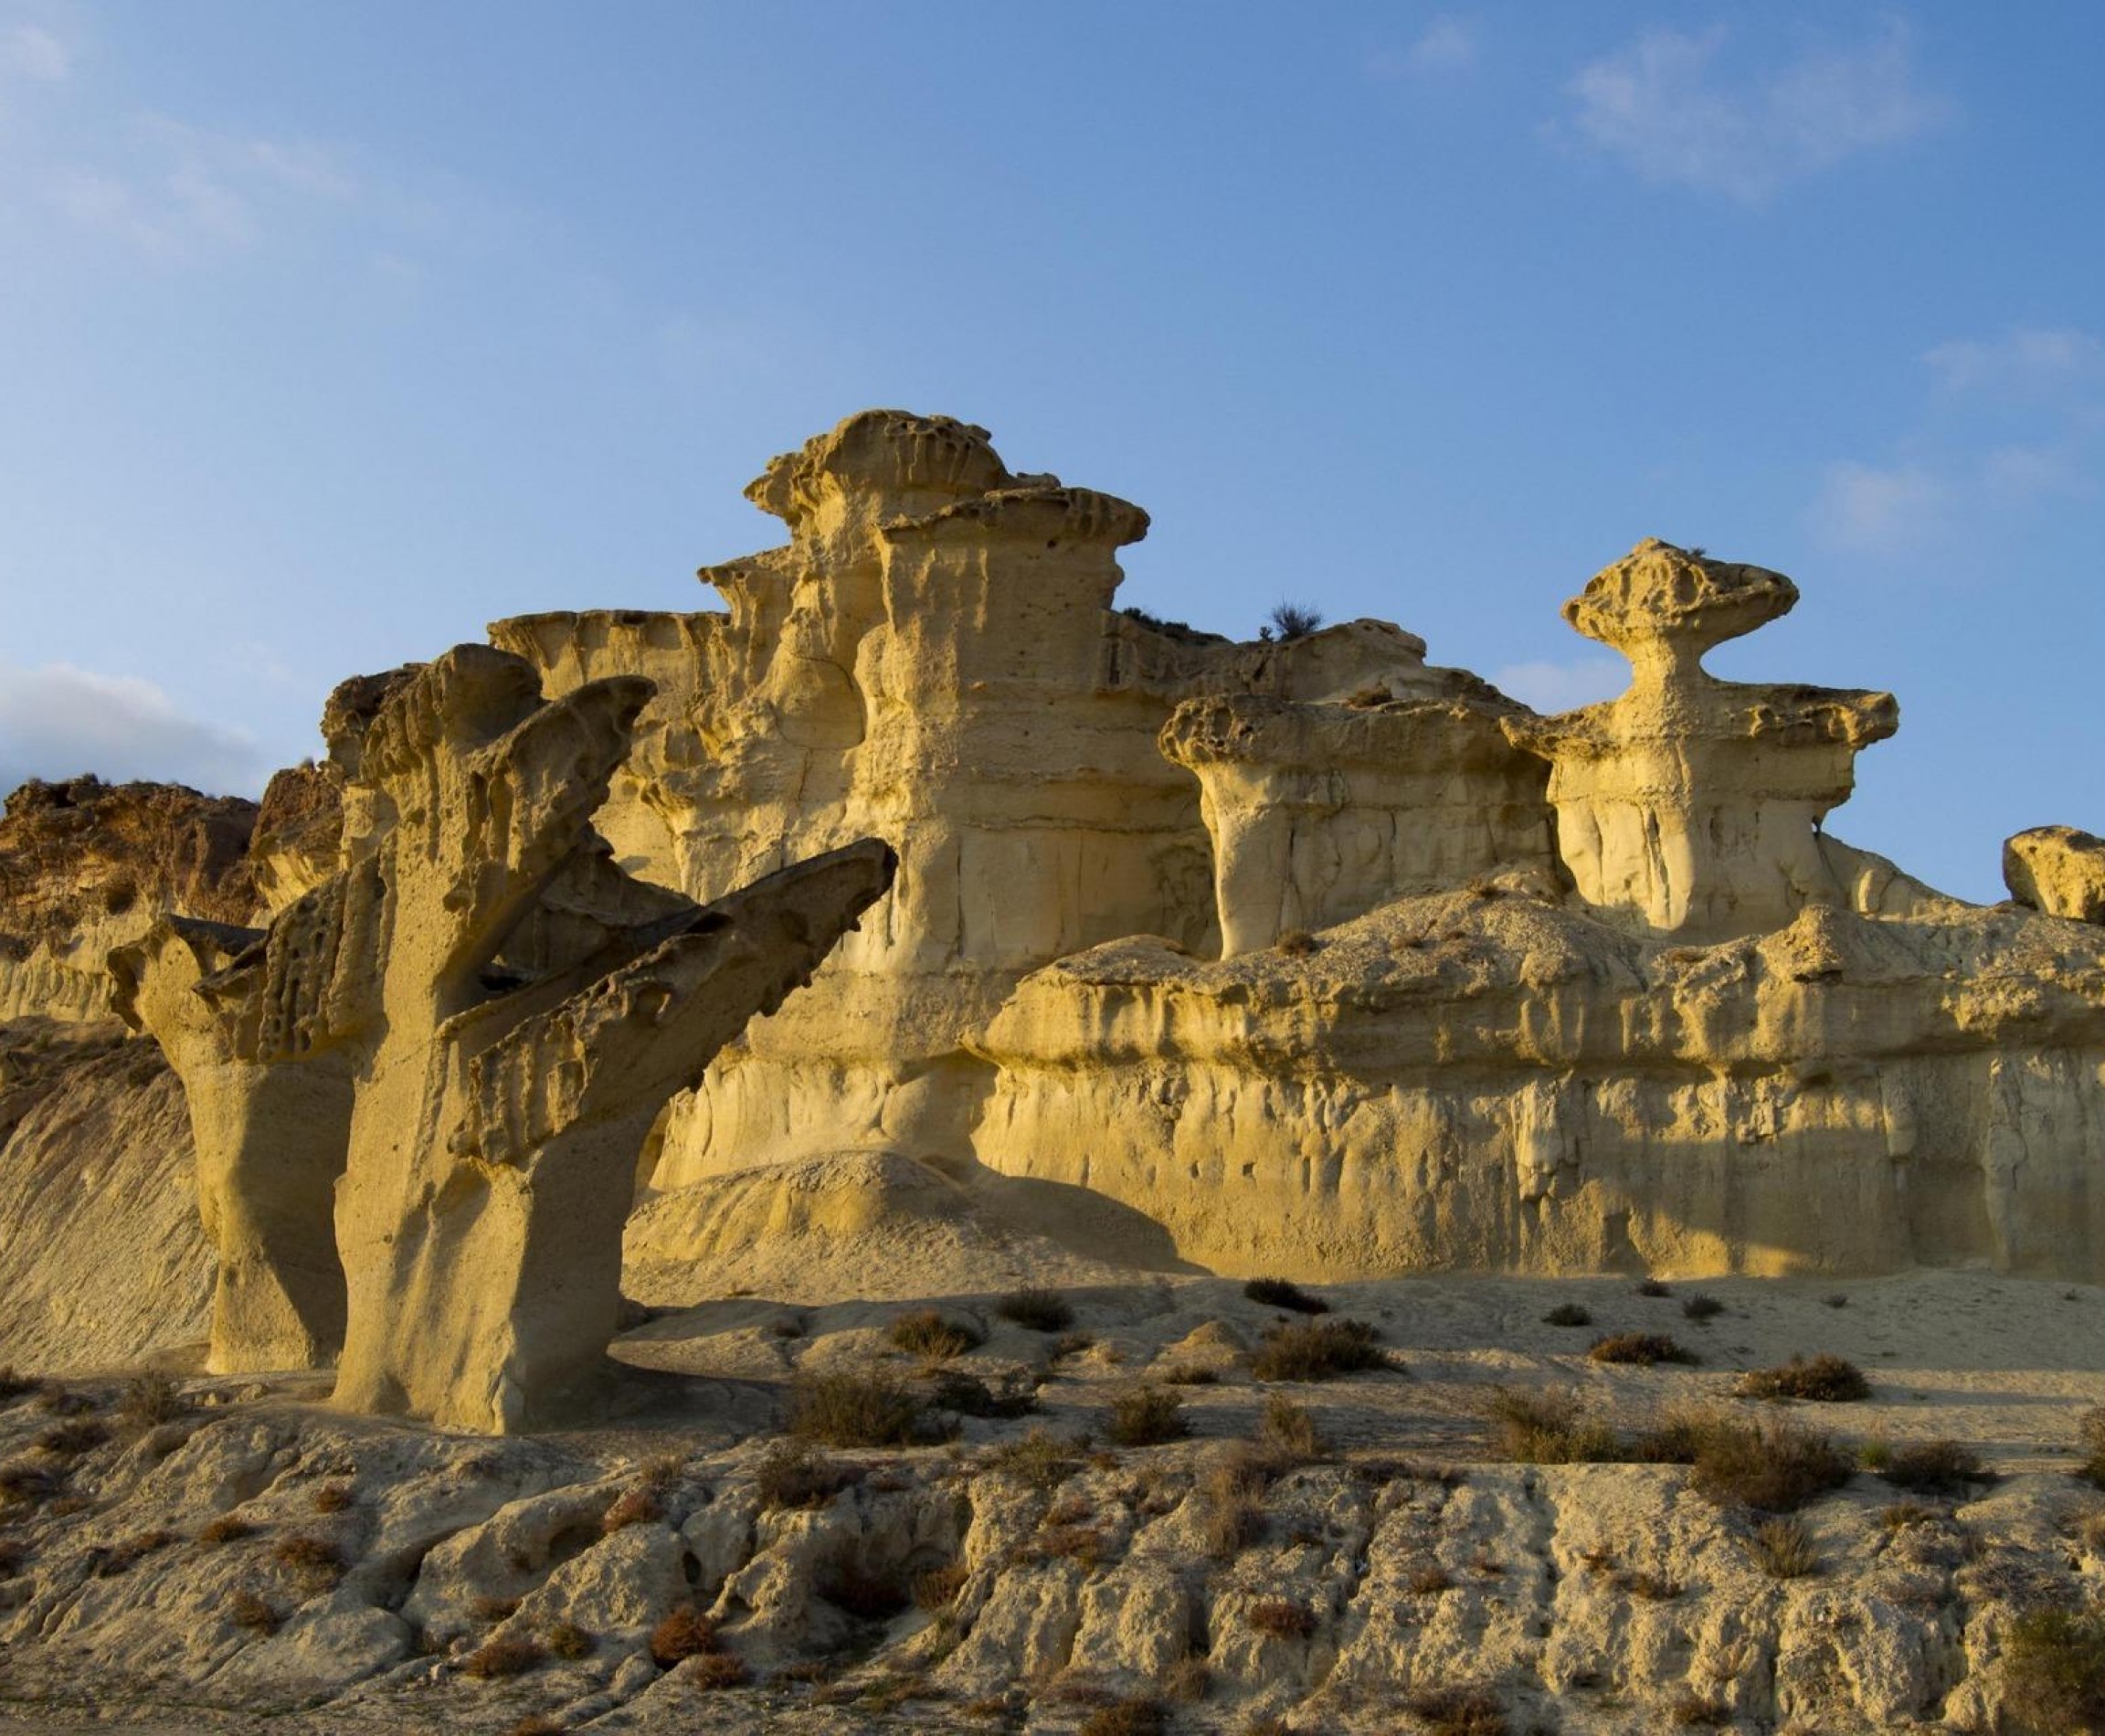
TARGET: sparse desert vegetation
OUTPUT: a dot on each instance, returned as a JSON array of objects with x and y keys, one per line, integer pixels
[
  {"x": 1283, "y": 1293},
  {"x": 1318, "y": 1350},
  {"x": 1040, "y": 1309},
  {"x": 1822, "y": 1379}
]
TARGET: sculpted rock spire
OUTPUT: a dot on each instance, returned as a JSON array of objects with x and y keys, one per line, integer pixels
[{"x": 1689, "y": 806}]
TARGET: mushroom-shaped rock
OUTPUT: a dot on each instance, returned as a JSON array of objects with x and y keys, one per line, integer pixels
[
  {"x": 1690, "y": 806},
  {"x": 2059, "y": 871}
]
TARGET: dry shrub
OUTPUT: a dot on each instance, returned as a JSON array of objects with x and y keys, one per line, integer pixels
[
  {"x": 1296, "y": 943},
  {"x": 2090, "y": 1440},
  {"x": 791, "y": 1475},
  {"x": 1141, "y": 1716},
  {"x": 685, "y": 1633},
  {"x": 1287, "y": 1435},
  {"x": 1083, "y": 1543},
  {"x": 1773, "y": 1465},
  {"x": 2054, "y": 1671},
  {"x": 1640, "y": 1349},
  {"x": 1281, "y": 1617},
  {"x": 633, "y": 1506},
  {"x": 70, "y": 1440},
  {"x": 311, "y": 1561},
  {"x": 1935, "y": 1467},
  {"x": 26, "y": 1485},
  {"x": 1041, "y": 1460},
  {"x": 953, "y": 1390},
  {"x": 13, "y": 1385},
  {"x": 1700, "y": 1306},
  {"x": 54, "y": 1398},
  {"x": 1459, "y": 1711},
  {"x": 938, "y": 1589},
  {"x": 713, "y": 1670},
  {"x": 1568, "y": 1314},
  {"x": 1190, "y": 1374},
  {"x": 1318, "y": 1351},
  {"x": 1281, "y": 1292},
  {"x": 245, "y": 1610},
  {"x": 868, "y": 1407},
  {"x": 1041, "y": 1310},
  {"x": 1429, "y": 1581},
  {"x": 1231, "y": 1504},
  {"x": 535, "y": 1724},
  {"x": 1145, "y": 1416},
  {"x": 14, "y": 1553},
  {"x": 926, "y": 1332},
  {"x": 150, "y": 1400},
  {"x": 569, "y": 1641},
  {"x": 1902, "y": 1514},
  {"x": 1547, "y": 1428},
  {"x": 1783, "y": 1549},
  {"x": 507, "y": 1655},
  {"x": 1650, "y": 1287},
  {"x": 1188, "y": 1680},
  {"x": 491, "y": 1610},
  {"x": 225, "y": 1529},
  {"x": 1692, "y": 1711},
  {"x": 1826, "y": 1380},
  {"x": 123, "y": 1557},
  {"x": 1652, "y": 1588},
  {"x": 332, "y": 1497}
]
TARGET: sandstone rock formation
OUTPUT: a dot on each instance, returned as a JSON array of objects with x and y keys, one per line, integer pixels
[
  {"x": 2058, "y": 870},
  {"x": 85, "y": 866}
]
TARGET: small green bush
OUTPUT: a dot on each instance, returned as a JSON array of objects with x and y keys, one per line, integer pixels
[
  {"x": 2054, "y": 1671},
  {"x": 1774, "y": 1467}
]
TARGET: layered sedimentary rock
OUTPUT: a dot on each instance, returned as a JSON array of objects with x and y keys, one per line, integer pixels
[
  {"x": 85, "y": 866},
  {"x": 932, "y": 659}
]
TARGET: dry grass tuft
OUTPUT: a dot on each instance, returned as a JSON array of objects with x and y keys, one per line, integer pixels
[
  {"x": 1230, "y": 1502},
  {"x": 1146, "y": 1415},
  {"x": 1650, "y": 1287},
  {"x": 123, "y": 1557},
  {"x": 1935, "y": 1467},
  {"x": 70, "y": 1440},
  {"x": 2054, "y": 1671},
  {"x": 1693, "y": 1712},
  {"x": 791, "y": 1475},
  {"x": 1640, "y": 1349},
  {"x": 1287, "y": 1435},
  {"x": 333, "y": 1498},
  {"x": 1296, "y": 943},
  {"x": 870, "y": 1407},
  {"x": 1568, "y": 1314},
  {"x": 569, "y": 1641},
  {"x": 1783, "y": 1549},
  {"x": 634, "y": 1506},
  {"x": 2090, "y": 1441},
  {"x": 1429, "y": 1581},
  {"x": 1281, "y": 1292},
  {"x": 924, "y": 1332},
  {"x": 1041, "y": 1460},
  {"x": 1188, "y": 1680},
  {"x": 1190, "y": 1374},
  {"x": 508, "y": 1654},
  {"x": 1459, "y": 1711},
  {"x": 314, "y": 1562},
  {"x": 1318, "y": 1350},
  {"x": 1141, "y": 1716},
  {"x": 1826, "y": 1380},
  {"x": 490, "y": 1610},
  {"x": 1548, "y": 1427},
  {"x": 245, "y": 1610},
  {"x": 150, "y": 1400},
  {"x": 1700, "y": 1306},
  {"x": 938, "y": 1589},
  {"x": 13, "y": 1385},
  {"x": 1038, "y": 1309},
  {"x": 1774, "y": 1467},
  {"x": 712, "y": 1670},
  {"x": 685, "y": 1633},
  {"x": 1281, "y": 1617}
]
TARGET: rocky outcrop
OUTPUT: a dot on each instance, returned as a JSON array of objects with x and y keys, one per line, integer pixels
[
  {"x": 1690, "y": 807},
  {"x": 85, "y": 866},
  {"x": 2058, "y": 870}
]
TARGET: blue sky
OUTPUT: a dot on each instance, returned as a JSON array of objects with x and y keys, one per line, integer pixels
[{"x": 329, "y": 331}]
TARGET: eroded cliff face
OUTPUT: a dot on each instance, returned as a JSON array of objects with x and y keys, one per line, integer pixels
[
  {"x": 1495, "y": 990},
  {"x": 85, "y": 866}
]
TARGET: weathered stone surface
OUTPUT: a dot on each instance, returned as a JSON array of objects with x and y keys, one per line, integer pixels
[
  {"x": 85, "y": 866},
  {"x": 2058, "y": 870},
  {"x": 1690, "y": 806}
]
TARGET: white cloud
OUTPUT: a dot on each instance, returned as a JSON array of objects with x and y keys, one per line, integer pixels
[
  {"x": 1875, "y": 511},
  {"x": 1660, "y": 106},
  {"x": 2028, "y": 361},
  {"x": 178, "y": 193},
  {"x": 59, "y": 721},
  {"x": 30, "y": 51},
  {"x": 1553, "y": 687},
  {"x": 1448, "y": 46}
]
